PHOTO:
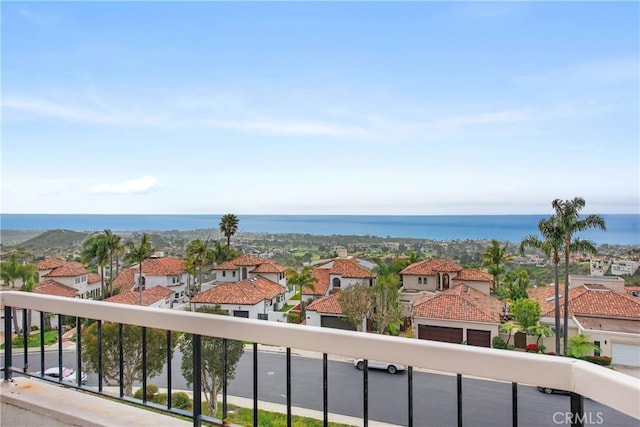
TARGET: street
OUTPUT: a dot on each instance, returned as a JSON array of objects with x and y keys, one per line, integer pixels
[{"x": 485, "y": 403}]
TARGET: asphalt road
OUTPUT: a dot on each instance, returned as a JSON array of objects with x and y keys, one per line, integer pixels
[{"x": 485, "y": 403}]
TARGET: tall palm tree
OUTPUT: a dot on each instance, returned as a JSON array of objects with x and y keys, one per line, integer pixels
[
  {"x": 10, "y": 272},
  {"x": 201, "y": 254},
  {"x": 96, "y": 249},
  {"x": 495, "y": 257},
  {"x": 551, "y": 246},
  {"x": 229, "y": 227},
  {"x": 137, "y": 254},
  {"x": 568, "y": 214},
  {"x": 114, "y": 248},
  {"x": 302, "y": 279}
]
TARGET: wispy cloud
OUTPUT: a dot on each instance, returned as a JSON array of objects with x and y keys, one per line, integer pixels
[
  {"x": 133, "y": 186},
  {"x": 602, "y": 71}
]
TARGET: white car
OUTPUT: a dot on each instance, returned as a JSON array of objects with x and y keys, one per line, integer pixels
[
  {"x": 68, "y": 375},
  {"x": 392, "y": 368}
]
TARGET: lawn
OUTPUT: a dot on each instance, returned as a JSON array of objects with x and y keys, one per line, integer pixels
[
  {"x": 244, "y": 417},
  {"x": 286, "y": 308},
  {"x": 296, "y": 297},
  {"x": 34, "y": 339}
]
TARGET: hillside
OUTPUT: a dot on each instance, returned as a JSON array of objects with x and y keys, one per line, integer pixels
[
  {"x": 54, "y": 239},
  {"x": 13, "y": 237}
]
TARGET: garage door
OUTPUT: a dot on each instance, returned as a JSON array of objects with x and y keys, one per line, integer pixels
[
  {"x": 336, "y": 322},
  {"x": 479, "y": 338},
  {"x": 240, "y": 313},
  {"x": 440, "y": 333},
  {"x": 625, "y": 354}
]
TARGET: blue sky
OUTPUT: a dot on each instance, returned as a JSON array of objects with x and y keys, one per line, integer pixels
[{"x": 317, "y": 107}]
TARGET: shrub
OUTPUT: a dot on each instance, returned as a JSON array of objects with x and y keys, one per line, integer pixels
[
  {"x": 498, "y": 342},
  {"x": 532, "y": 348},
  {"x": 152, "y": 390},
  {"x": 599, "y": 360},
  {"x": 511, "y": 347},
  {"x": 293, "y": 318},
  {"x": 180, "y": 400}
]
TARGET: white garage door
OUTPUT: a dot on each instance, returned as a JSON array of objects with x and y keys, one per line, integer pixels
[{"x": 626, "y": 354}]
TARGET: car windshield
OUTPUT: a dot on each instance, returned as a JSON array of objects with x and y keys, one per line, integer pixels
[{"x": 55, "y": 371}]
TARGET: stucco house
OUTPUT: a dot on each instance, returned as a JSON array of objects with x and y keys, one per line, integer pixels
[
  {"x": 340, "y": 273},
  {"x": 610, "y": 318},
  {"x": 456, "y": 315},
  {"x": 326, "y": 312},
  {"x": 423, "y": 278},
  {"x": 166, "y": 272},
  {"x": 248, "y": 267},
  {"x": 72, "y": 274},
  {"x": 251, "y": 298}
]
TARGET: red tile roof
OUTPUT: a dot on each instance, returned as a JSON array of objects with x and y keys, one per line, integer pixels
[
  {"x": 149, "y": 296},
  {"x": 459, "y": 303},
  {"x": 246, "y": 292},
  {"x": 588, "y": 300},
  {"x": 321, "y": 285},
  {"x": 473, "y": 276},
  {"x": 51, "y": 287},
  {"x": 328, "y": 304},
  {"x": 50, "y": 263},
  {"x": 430, "y": 267},
  {"x": 268, "y": 267},
  {"x": 166, "y": 266},
  {"x": 243, "y": 261},
  {"x": 68, "y": 269},
  {"x": 125, "y": 279},
  {"x": 348, "y": 268},
  {"x": 93, "y": 278}
]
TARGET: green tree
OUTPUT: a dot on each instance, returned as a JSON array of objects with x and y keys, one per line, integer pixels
[
  {"x": 96, "y": 250},
  {"x": 579, "y": 346},
  {"x": 302, "y": 279},
  {"x": 540, "y": 331},
  {"x": 569, "y": 221},
  {"x": 229, "y": 227},
  {"x": 550, "y": 245},
  {"x": 355, "y": 302},
  {"x": 212, "y": 366},
  {"x": 201, "y": 254},
  {"x": 510, "y": 328},
  {"x": 132, "y": 352},
  {"x": 526, "y": 312},
  {"x": 494, "y": 257},
  {"x": 515, "y": 285},
  {"x": 115, "y": 249},
  {"x": 11, "y": 271},
  {"x": 137, "y": 254},
  {"x": 386, "y": 304}
]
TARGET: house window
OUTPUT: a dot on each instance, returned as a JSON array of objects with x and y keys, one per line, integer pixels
[
  {"x": 419, "y": 280},
  {"x": 234, "y": 274},
  {"x": 445, "y": 281},
  {"x": 438, "y": 281},
  {"x": 262, "y": 316},
  {"x": 596, "y": 351},
  {"x": 336, "y": 283},
  {"x": 244, "y": 273},
  {"x": 224, "y": 274}
]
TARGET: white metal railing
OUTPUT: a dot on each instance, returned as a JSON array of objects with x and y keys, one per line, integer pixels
[{"x": 619, "y": 391}]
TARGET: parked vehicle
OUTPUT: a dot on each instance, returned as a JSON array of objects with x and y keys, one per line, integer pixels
[
  {"x": 548, "y": 390},
  {"x": 392, "y": 368},
  {"x": 68, "y": 375}
]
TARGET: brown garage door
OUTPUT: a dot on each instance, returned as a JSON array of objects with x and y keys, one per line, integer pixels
[
  {"x": 336, "y": 322},
  {"x": 479, "y": 338},
  {"x": 440, "y": 333}
]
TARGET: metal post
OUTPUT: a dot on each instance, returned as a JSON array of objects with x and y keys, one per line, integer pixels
[
  {"x": 197, "y": 381},
  {"x": 577, "y": 410},
  {"x": 7, "y": 343},
  {"x": 78, "y": 351},
  {"x": 25, "y": 339},
  {"x": 365, "y": 393},
  {"x": 459, "y": 393},
  {"x": 410, "y": 394},
  {"x": 288, "y": 387},
  {"x": 120, "y": 360},
  {"x": 514, "y": 404},
  {"x": 325, "y": 390},
  {"x": 255, "y": 384},
  {"x": 169, "y": 357},
  {"x": 100, "y": 356},
  {"x": 59, "y": 348},
  {"x": 144, "y": 365},
  {"x": 225, "y": 368},
  {"x": 42, "y": 341}
]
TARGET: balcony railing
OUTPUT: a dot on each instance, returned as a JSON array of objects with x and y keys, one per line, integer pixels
[{"x": 582, "y": 379}]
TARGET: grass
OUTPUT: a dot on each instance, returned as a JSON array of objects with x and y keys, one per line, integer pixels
[
  {"x": 286, "y": 308},
  {"x": 296, "y": 297},
  {"x": 34, "y": 339},
  {"x": 244, "y": 417}
]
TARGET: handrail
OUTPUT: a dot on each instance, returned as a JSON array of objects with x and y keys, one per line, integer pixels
[{"x": 619, "y": 391}]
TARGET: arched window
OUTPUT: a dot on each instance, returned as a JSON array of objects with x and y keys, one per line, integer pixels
[
  {"x": 445, "y": 281},
  {"x": 336, "y": 283}
]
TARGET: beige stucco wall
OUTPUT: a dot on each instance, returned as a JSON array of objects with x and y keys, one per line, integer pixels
[{"x": 484, "y": 287}]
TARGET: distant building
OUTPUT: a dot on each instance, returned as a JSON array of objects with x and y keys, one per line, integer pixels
[
  {"x": 71, "y": 274},
  {"x": 624, "y": 267},
  {"x": 599, "y": 267}
]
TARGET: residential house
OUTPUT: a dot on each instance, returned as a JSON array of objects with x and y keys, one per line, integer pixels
[
  {"x": 623, "y": 267},
  {"x": 250, "y": 266},
  {"x": 610, "y": 318},
  {"x": 166, "y": 272},
  {"x": 72, "y": 274},
  {"x": 327, "y": 312},
  {"x": 611, "y": 282},
  {"x": 599, "y": 266},
  {"x": 424, "y": 278},
  {"x": 251, "y": 298},
  {"x": 158, "y": 297},
  {"x": 340, "y": 273},
  {"x": 456, "y": 315}
]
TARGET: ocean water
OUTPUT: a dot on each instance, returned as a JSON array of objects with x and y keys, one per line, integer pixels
[{"x": 621, "y": 229}]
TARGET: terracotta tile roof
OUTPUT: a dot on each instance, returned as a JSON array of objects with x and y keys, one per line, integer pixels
[
  {"x": 348, "y": 268},
  {"x": 243, "y": 261},
  {"x": 51, "y": 287},
  {"x": 68, "y": 269},
  {"x": 269, "y": 267},
  {"x": 49, "y": 264},
  {"x": 166, "y": 266},
  {"x": 149, "y": 296},
  {"x": 321, "y": 285},
  {"x": 246, "y": 292},
  {"x": 430, "y": 267},
  {"x": 125, "y": 279},
  {"x": 328, "y": 304},
  {"x": 459, "y": 303},
  {"x": 588, "y": 300},
  {"x": 474, "y": 276},
  {"x": 93, "y": 278}
]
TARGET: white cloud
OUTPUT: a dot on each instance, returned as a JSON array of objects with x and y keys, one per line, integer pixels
[{"x": 133, "y": 186}]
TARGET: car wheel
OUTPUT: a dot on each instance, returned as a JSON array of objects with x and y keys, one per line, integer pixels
[
  {"x": 547, "y": 390},
  {"x": 392, "y": 369},
  {"x": 360, "y": 365}
]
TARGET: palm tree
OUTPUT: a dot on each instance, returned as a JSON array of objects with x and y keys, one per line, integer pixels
[
  {"x": 494, "y": 257},
  {"x": 579, "y": 346},
  {"x": 10, "y": 272},
  {"x": 510, "y": 328},
  {"x": 229, "y": 227},
  {"x": 201, "y": 254},
  {"x": 568, "y": 214},
  {"x": 114, "y": 249},
  {"x": 302, "y": 279},
  {"x": 137, "y": 254},
  {"x": 96, "y": 249},
  {"x": 540, "y": 331},
  {"x": 29, "y": 276},
  {"x": 551, "y": 247},
  {"x": 189, "y": 266}
]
